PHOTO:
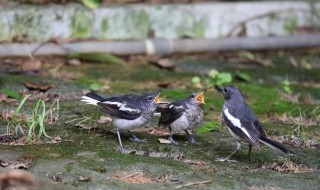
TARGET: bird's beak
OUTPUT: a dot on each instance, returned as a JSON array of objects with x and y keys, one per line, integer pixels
[
  {"x": 219, "y": 88},
  {"x": 200, "y": 98},
  {"x": 157, "y": 99}
]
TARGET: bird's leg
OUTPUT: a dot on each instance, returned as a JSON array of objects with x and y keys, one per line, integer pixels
[
  {"x": 250, "y": 147},
  {"x": 228, "y": 157},
  {"x": 171, "y": 139},
  {"x": 136, "y": 139},
  {"x": 191, "y": 139},
  {"x": 119, "y": 139}
]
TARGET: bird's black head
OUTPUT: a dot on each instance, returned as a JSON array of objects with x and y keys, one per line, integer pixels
[
  {"x": 197, "y": 98},
  {"x": 230, "y": 92}
]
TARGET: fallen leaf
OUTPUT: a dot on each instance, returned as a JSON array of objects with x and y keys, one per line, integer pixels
[
  {"x": 195, "y": 162},
  {"x": 84, "y": 179},
  {"x": 41, "y": 86},
  {"x": 74, "y": 62},
  {"x": 104, "y": 119},
  {"x": 31, "y": 64},
  {"x": 164, "y": 141},
  {"x": 19, "y": 166},
  {"x": 163, "y": 63},
  {"x": 85, "y": 126}
]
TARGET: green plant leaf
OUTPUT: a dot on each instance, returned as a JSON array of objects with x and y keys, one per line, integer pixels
[
  {"x": 246, "y": 54},
  {"x": 244, "y": 76},
  {"x": 223, "y": 78},
  {"x": 97, "y": 57},
  {"x": 92, "y": 4},
  {"x": 208, "y": 126},
  {"x": 95, "y": 86},
  {"x": 196, "y": 79},
  {"x": 16, "y": 112},
  {"x": 11, "y": 93},
  {"x": 213, "y": 73},
  {"x": 286, "y": 82}
]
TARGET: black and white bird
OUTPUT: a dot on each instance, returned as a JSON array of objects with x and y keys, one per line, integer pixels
[
  {"x": 243, "y": 124},
  {"x": 128, "y": 112},
  {"x": 183, "y": 115}
]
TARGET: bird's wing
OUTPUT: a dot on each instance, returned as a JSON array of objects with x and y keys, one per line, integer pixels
[
  {"x": 170, "y": 113},
  {"x": 121, "y": 107},
  {"x": 243, "y": 127}
]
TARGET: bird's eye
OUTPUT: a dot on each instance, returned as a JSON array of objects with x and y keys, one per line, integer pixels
[
  {"x": 193, "y": 96},
  {"x": 225, "y": 90},
  {"x": 150, "y": 98}
]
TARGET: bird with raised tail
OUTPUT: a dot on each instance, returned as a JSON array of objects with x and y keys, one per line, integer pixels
[
  {"x": 128, "y": 112},
  {"x": 183, "y": 115},
  {"x": 243, "y": 124}
]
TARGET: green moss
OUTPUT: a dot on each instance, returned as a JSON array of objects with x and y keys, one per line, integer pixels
[
  {"x": 199, "y": 28},
  {"x": 97, "y": 57},
  {"x": 138, "y": 24},
  {"x": 82, "y": 23},
  {"x": 104, "y": 25},
  {"x": 29, "y": 25}
]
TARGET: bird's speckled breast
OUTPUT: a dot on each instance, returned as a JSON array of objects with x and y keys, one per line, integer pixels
[{"x": 195, "y": 116}]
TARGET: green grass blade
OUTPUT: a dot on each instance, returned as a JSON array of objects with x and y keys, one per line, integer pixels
[{"x": 17, "y": 111}]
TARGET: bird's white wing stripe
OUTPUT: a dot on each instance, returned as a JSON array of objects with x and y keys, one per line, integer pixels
[
  {"x": 123, "y": 107},
  {"x": 236, "y": 122},
  {"x": 89, "y": 100},
  {"x": 113, "y": 103}
]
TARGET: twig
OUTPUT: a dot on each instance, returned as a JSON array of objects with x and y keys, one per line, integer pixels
[
  {"x": 194, "y": 183},
  {"x": 131, "y": 175},
  {"x": 242, "y": 23}
]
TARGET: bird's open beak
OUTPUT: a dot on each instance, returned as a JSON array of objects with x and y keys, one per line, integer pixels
[
  {"x": 219, "y": 88},
  {"x": 200, "y": 98},
  {"x": 157, "y": 99}
]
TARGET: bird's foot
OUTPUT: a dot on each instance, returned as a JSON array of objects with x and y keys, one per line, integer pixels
[
  {"x": 136, "y": 139},
  {"x": 173, "y": 141},
  {"x": 127, "y": 151},
  {"x": 225, "y": 160},
  {"x": 192, "y": 141}
]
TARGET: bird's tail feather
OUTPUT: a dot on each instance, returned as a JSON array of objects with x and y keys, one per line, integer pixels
[
  {"x": 275, "y": 145},
  {"x": 91, "y": 98}
]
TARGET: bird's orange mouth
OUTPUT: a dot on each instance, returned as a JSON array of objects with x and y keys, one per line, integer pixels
[
  {"x": 157, "y": 99},
  {"x": 200, "y": 98}
]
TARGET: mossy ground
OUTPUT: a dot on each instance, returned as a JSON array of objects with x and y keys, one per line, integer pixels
[{"x": 93, "y": 154}]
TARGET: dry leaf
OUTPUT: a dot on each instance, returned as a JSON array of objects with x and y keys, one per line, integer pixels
[
  {"x": 31, "y": 64},
  {"x": 42, "y": 86},
  {"x": 164, "y": 141},
  {"x": 104, "y": 119},
  {"x": 74, "y": 62},
  {"x": 84, "y": 179},
  {"x": 195, "y": 162},
  {"x": 163, "y": 63},
  {"x": 85, "y": 126}
]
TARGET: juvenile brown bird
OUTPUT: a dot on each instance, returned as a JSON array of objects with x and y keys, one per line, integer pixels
[{"x": 183, "y": 115}]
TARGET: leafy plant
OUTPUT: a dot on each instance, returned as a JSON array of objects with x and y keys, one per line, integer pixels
[
  {"x": 286, "y": 86},
  {"x": 214, "y": 78},
  {"x": 244, "y": 77},
  {"x": 34, "y": 122},
  {"x": 92, "y": 4},
  {"x": 10, "y": 93}
]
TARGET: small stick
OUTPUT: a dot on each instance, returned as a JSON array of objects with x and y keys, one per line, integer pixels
[
  {"x": 131, "y": 175},
  {"x": 194, "y": 183}
]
